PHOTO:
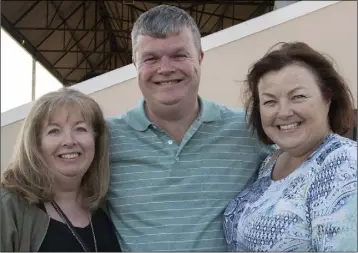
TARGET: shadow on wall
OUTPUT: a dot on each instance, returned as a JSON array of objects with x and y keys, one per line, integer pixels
[{"x": 352, "y": 133}]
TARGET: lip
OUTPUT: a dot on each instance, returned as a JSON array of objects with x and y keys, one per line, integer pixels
[
  {"x": 171, "y": 81},
  {"x": 290, "y": 127},
  {"x": 69, "y": 153}
]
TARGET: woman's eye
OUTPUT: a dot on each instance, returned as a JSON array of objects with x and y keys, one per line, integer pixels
[
  {"x": 269, "y": 102},
  {"x": 53, "y": 131},
  {"x": 81, "y": 129},
  {"x": 298, "y": 97}
]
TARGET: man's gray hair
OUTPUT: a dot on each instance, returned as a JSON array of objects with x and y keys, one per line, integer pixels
[{"x": 163, "y": 21}]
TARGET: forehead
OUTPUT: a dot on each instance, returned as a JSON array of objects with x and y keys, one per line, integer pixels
[
  {"x": 289, "y": 77},
  {"x": 66, "y": 113},
  {"x": 181, "y": 40}
]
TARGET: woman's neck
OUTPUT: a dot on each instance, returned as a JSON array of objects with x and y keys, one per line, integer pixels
[
  {"x": 71, "y": 202},
  {"x": 65, "y": 195}
]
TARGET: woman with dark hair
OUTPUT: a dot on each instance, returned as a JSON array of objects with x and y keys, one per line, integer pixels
[{"x": 305, "y": 196}]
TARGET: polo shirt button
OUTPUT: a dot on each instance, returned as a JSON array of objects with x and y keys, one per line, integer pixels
[{"x": 170, "y": 142}]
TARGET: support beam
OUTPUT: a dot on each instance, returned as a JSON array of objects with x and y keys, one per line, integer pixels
[
  {"x": 107, "y": 25},
  {"x": 78, "y": 44},
  {"x": 256, "y": 11},
  {"x": 81, "y": 68},
  {"x": 124, "y": 43},
  {"x": 54, "y": 15},
  {"x": 74, "y": 51},
  {"x": 66, "y": 29},
  {"x": 211, "y": 15},
  {"x": 59, "y": 25},
  {"x": 220, "y": 20},
  {"x": 26, "y": 12},
  {"x": 85, "y": 58},
  {"x": 33, "y": 90},
  {"x": 84, "y": 35},
  {"x": 30, "y": 48}
]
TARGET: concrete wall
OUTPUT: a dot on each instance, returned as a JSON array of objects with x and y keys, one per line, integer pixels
[{"x": 331, "y": 29}]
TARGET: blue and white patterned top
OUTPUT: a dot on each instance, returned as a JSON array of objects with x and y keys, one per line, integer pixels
[{"x": 312, "y": 209}]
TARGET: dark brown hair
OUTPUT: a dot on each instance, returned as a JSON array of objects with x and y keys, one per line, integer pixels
[{"x": 332, "y": 85}]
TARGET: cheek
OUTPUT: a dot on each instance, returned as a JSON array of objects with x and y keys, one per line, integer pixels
[
  {"x": 145, "y": 72},
  {"x": 312, "y": 110},
  {"x": 193, "y": 67},
  {"x": 47, "y": 148},
  {"x": 90, "y": 146},
  {"x": 321, "y": 112},
  {"x": 267, "y": 116}
]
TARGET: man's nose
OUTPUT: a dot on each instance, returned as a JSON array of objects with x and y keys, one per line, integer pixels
[{"x": 165, "y": 66}]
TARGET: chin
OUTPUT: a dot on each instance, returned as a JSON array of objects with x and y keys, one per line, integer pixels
[
  {"x": 73, "y": 172},
  {"x": 285, "y": 142},
  {"x": 290, "y": 146},
  {"x": 170, "y": 101}
]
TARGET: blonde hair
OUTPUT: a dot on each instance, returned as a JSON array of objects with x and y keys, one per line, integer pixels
[{"x": 27, "y": 173}]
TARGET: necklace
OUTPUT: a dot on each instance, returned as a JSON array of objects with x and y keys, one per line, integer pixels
[{"x": 72, "y": 229}]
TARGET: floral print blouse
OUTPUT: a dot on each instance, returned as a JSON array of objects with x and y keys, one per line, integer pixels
[{"x": 312, "y": 209}]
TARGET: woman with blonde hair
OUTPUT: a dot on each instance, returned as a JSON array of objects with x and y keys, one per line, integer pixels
[{"x": 53, "y": 191}]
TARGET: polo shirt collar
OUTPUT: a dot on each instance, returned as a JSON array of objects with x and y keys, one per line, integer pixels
[{"x": 138, "y": 120}]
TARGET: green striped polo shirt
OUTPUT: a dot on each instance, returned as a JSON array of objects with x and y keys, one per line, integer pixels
[{"x": 166, "y": 196}]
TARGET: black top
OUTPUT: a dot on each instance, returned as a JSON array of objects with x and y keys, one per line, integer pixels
[{"x": 60, "y": 238}]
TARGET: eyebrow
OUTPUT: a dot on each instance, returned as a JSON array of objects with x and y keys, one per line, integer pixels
[
  {"x": 290, "y": 92},
  {"x": 145, "y": 54},
  {"x": 56, "y": 124},
  {"x": 175, "y": 51},
  {"x": 296, "y": 89},
  {"x": 180, "y": 50}
]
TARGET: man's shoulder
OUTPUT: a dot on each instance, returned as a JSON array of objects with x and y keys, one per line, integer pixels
[
  {"x": 118, "y": 121},
  {"x": 230, "y": 113}
]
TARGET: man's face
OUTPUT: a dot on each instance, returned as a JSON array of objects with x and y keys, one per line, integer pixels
[{"x": 168, "y": 68}]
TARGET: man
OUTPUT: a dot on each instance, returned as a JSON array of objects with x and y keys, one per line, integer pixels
[{"x": 176, "y": 159}]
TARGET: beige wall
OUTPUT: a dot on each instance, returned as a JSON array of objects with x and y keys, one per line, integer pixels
[{"x": 332, "y": 30}]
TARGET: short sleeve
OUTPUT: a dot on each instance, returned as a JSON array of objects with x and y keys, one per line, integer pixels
[{"x": 332, "y": 202}]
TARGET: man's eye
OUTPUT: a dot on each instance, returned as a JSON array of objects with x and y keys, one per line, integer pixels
[
  {"x": 149, "y": 60},
  {"x": 180, "y": 56}
]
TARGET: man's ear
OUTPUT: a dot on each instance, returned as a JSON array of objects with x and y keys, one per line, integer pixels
[
  {"x": 201, "y": 56},
  {"x": 133, "y": 60}
]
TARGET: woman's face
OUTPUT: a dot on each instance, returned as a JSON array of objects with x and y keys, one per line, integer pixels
[
  {"x": 67, "y": 144},
  {"x": 294, "y": 114}
]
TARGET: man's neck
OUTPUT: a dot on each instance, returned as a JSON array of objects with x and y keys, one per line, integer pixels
[{"x": 174, "y": 121}]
